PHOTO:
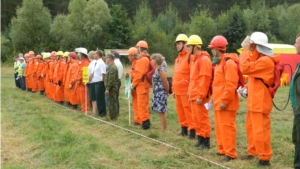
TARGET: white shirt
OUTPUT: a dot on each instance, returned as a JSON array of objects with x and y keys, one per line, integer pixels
[
  {"x": 119, "y": 66},
  {"x": 98, "y": 68}
]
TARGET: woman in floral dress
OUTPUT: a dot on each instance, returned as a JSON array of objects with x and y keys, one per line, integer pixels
[{"x": 160, "y": 88}]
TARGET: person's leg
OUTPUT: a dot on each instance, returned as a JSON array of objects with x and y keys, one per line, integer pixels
[
  {"x": 181, "y": 115},
  {"x": 112, "y": 103},
  {"x": 296, "y": 140},
  {"x": 218, "y": 132},
  {"x": 100, "y": 98},
  {"x": 117, "y": 96},
  {"x": 136, "y": 116},
  {"x": 249, "y": 131},
  {"x": 163, "y": 121}
]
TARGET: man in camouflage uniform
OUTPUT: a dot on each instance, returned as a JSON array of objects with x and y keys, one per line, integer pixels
[{"x": 111, "y": 86}]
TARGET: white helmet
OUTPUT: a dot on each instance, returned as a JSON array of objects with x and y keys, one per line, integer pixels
[
  {"x": 261, "y": 41},
  {"x": 82, "y": 50}
]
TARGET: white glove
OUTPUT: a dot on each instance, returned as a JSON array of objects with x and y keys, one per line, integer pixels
[{"x": 243, "y": 91}]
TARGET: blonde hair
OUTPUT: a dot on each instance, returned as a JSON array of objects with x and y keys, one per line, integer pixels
[
  {"x": 158, "y": 58},
  {"x": 91, "y": 54}
]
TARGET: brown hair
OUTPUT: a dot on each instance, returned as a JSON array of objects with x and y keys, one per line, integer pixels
[
  {"x": 158, "y": 58},
  {"x": 100, "y": 53},
  {"x": 92, "y": 54}
]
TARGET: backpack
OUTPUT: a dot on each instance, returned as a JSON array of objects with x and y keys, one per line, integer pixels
[
  {"x": 150, "y": 72},
  {"x": 241, "y": 82}
]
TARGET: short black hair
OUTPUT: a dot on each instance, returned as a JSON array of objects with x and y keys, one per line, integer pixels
[
  {"x": 115, "y": 53},
  {"x": 100, "y": 53}
]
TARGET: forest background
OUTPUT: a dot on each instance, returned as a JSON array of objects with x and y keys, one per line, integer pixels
[{"x": 46, "y": 25}]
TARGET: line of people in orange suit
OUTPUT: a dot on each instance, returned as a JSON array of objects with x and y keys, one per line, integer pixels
[{"x": 195, "y": 82}]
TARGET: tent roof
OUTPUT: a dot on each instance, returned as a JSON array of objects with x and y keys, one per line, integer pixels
[{"x": 279, "y": 49}]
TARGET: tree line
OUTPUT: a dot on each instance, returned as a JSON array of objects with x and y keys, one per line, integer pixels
[{"x": 99, "y": 24}]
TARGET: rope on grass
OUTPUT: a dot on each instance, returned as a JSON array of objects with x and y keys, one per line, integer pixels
[{"x": 157, "y": 141}]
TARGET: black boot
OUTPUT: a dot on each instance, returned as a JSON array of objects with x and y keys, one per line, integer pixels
[
  {"x": 200, "y": 141},
  {"x": 206, "y": 144},
  {"x": 41, "y": 92},
  {"x": 263, "y": 163},
  {"x": 184, "y": 131},
  {"x": 69, "y": 104},
  {"x": 74, "y": 106},
  {"x": 192, "y": 134},
  {"x": 146, "y": 124}
]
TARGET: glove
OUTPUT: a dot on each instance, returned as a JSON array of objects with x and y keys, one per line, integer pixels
[
  {"x": 242, "y": 91},
  {"x": 70, "y": 86},
  {"x": 42, "y": 75},
  {"x": 132, "y": 87}
]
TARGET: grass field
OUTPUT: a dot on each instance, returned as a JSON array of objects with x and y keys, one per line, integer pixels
[{"x": 36, "y": 133}]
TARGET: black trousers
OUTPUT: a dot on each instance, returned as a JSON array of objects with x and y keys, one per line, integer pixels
[
  {"x": 100, "y": 98},
  {"x": 296, "y": 138},
  {"x": 22, "y": 82},
  {"x": 17, "y": 82}
]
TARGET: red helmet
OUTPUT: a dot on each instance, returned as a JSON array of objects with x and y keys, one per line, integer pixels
[
  {"x": 219, "y": 42},
  {"x": 72, "y": 55}
]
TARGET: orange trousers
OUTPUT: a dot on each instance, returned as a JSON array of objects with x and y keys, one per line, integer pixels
[
  {"x": 59, "y": 93},
  {"x": 184, "y": 112},
  {"x": 143, "y": 106},
  {"x": 52, "y": 91},
  {"x": 82, "y": 94},
  {"x": 28, "y": 81},
  {"x": 34, "y": 83},
  {"x": 258, "y": 129},
  {"x": 41, "y": 85},
  {"x": 225, "y": 129},
  {"x": 67, "y": 92},
  {"x": 201, "y": 118},
  {"x": 136, "y": 118},
  {"x": 74, "y": 100}
]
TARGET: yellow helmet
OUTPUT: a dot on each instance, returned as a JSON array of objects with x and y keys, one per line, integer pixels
[
  {"x": 181, "y": 37},
  {"x": 194, "y": 40},
  {"x": 60, "y": 53},
  {"x": 66, "y": 54},
  {"x": 46, "y": 56}
]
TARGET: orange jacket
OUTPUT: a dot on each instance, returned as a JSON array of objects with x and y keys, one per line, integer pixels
[
  {"x": 262, "y": 67},
  {"x": 65, "y": 72},
  {"x": 51, "y": 69},
  {"x": 132, "y": 69},
  {"x": 84, "y": 63},
  {"x": 181, "y": 77},
  {"x": 72, "y": 72},
  {"x": 39, "y": 68},
  {"x": 46, "y": 69},
  {"x": 225, "y": 83},
  {"x": 200, "y": 77},
  {"x": 59, "y": 71},
  {"x": 139, "y": 81},
  {"x": 30, "y": 65}
]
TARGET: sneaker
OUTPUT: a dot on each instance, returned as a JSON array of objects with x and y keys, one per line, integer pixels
[{"x": 263, "y": 163}]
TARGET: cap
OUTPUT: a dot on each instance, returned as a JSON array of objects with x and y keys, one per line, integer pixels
[{"x": 111, "y": 56}]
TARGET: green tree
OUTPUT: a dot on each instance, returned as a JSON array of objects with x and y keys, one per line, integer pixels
[
  {"x": 96, "y": 16},
  {"x": 203, "y": 25},
  {"x": 31, "y": 27},
  {"x": 290, "y": 28},
  {"x": 233, "y": 27},
  {"x": 120, "y": 29}
]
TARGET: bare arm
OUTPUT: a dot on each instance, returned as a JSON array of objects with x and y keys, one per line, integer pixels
[{"x": 163, "y": 77}]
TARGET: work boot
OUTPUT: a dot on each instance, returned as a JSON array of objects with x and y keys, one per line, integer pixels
[
  {"x": 184, "y": 131},
  {"x": 146, "y": 124},
  {"x": 263, "y": 163},
  {"x": 41, "y": 92},
  {"x": 248, "y": 157},
  {"x": 227, "y": 159},
  {"x": 199, "y": 142},
  {"x": 206, "y": 144},
  {"x": 74, "y": 106},
  {"x": 192, "y": 134}
]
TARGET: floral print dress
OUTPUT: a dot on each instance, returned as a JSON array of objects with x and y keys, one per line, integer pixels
[{"x": 159, "y": 99}]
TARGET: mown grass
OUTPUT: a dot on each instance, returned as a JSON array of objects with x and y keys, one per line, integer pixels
[{"x": 39, "y": 134}]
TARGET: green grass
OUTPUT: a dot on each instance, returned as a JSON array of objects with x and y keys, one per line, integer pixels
[{"x": 39, "y": 134}]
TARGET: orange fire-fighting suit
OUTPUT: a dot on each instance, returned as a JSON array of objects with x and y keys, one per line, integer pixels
[
  {"x": 51, "y": 75},
  {"x": 224, "y": 91},
  {"x": 181, "y": 79},
  {"x": 40, "y": 79},
  {"x": 260, "y": 70},
  {"x": 200, "y": 79},
  {"x": 142, "y": 87},
  {"x": 45, "y": 73},
  {"x": 82, "y": 92},
  {"x": 66, "y": 86},
  {"x": 58, "y": 80},
  {"x": 70, "y": 81}
]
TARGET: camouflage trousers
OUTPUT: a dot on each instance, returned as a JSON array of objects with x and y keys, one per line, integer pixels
[{"x": 112, "y": 103}]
